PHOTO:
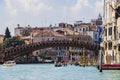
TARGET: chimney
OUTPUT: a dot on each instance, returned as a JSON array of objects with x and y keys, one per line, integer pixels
[{"x": 18, "y": 25}]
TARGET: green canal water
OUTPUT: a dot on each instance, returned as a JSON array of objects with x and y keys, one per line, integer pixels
[{"x": 49, "y": 72}]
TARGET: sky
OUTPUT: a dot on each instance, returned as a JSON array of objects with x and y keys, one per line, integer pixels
[{"x": 42, "y": 13}]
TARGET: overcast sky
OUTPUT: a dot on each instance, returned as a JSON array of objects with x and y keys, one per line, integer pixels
[{"x": 46, "y": 12}]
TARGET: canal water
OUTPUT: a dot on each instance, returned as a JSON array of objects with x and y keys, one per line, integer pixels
[{"x": 49, "y": 72}]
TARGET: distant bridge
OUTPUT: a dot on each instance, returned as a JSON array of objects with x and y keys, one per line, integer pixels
[{"x": 12, "y": 53}]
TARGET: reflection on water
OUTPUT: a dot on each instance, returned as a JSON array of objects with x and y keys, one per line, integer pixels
[{"x": 49, "y": 72}]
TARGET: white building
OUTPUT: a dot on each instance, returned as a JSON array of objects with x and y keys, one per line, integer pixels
[
  {"x": 82, "y": 28},
  {"x": 22, "y": 31},
  {"x": 111, "y": 29}
]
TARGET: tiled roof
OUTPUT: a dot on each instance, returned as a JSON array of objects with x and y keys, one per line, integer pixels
[
  {"x": 69, "y": 32},
  {"x": 48, "y": 33}
]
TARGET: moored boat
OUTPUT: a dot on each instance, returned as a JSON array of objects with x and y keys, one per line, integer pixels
[
  {"x": 111, "y": 66},
  {"x": 58, "y": 65},
  {"x": 9, "y": 63}
]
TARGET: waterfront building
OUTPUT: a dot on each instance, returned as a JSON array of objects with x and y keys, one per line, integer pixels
[
  {"x": 46, "y": 35},
  {"x": 65, "y": 25},
  {"x": 81, "y": 31},
  {"x": 81, "y": 28},
  {"x": 22, "y": 30},
  {"x": 111, "y": 39},
  {"x": 1, "y": 40},
  {"x": 27, "y": 32},
  {"x": 76, "y": 51},
  {"x": 90, "y": 29},
  {"x": 23, "y": 33},
  {"x": 66, "y": 31}
]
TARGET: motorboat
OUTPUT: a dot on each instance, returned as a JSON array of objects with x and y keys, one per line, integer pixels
[
  {"x": 76, "y": 64},
  {"x": 58, "y": 64},
  {"x": 9, "y": 63},
  {"x": 49, "y": 61}
]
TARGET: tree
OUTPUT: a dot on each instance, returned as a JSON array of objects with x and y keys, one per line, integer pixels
[
  {"x": 12, "y": 42},
  {"x": 7, "y": 34}
]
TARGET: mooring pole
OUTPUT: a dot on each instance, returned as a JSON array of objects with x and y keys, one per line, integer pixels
[{"x": 100, "y": 62}]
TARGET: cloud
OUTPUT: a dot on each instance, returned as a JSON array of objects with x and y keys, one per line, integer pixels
[
  {"x": 80, "y": 4},
  {"x": 10, "y": 8},
  {"x": 45, "y": 12},
  {"x": 40, "y": 8},
  {"x": 84, "y": 10},
  {"x": 98, "y": 6},
  {"x": 34, "y": 7}
]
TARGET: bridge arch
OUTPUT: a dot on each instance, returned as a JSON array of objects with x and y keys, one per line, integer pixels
[{"x": 12, "y": 53}]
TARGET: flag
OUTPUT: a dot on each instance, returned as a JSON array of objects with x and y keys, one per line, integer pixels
[{"x": 100, "y": 30}]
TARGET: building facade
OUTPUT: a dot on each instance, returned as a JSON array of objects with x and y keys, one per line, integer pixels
[
  {"x": 90, "y": 29},
  {"x": 1, "y": 41},
  {"x": 111, "y": 32}
]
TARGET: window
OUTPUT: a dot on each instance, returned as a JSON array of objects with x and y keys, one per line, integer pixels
[
  {"x": 110, "y": 31},
  {"x": 118, "y": 1},
  {"x": 83, "y": 29},
  {"x": 95, "y": 36},
  {"x": 105, "y": 46},
  {"x": 105, "y": 32},
  {"x": 119, "y": 47},
  {"x": 119, "y": 35},
  {"x": 87, "y": 29},
  {"x": 110, "y": 45},
  {"x": 80, "y": 29},
  {"x": 76, "y": 29}
]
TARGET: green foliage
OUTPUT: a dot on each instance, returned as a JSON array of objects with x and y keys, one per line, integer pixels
[
  {"x": 12, "y": 42},
  {"x": 7, "y": 34}
]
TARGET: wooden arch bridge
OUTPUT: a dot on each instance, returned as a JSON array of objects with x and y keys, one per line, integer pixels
[{"x": 14, "y": 52}]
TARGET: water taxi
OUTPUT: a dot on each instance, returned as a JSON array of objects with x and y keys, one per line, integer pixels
[{"x": 9, "y": 63}]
